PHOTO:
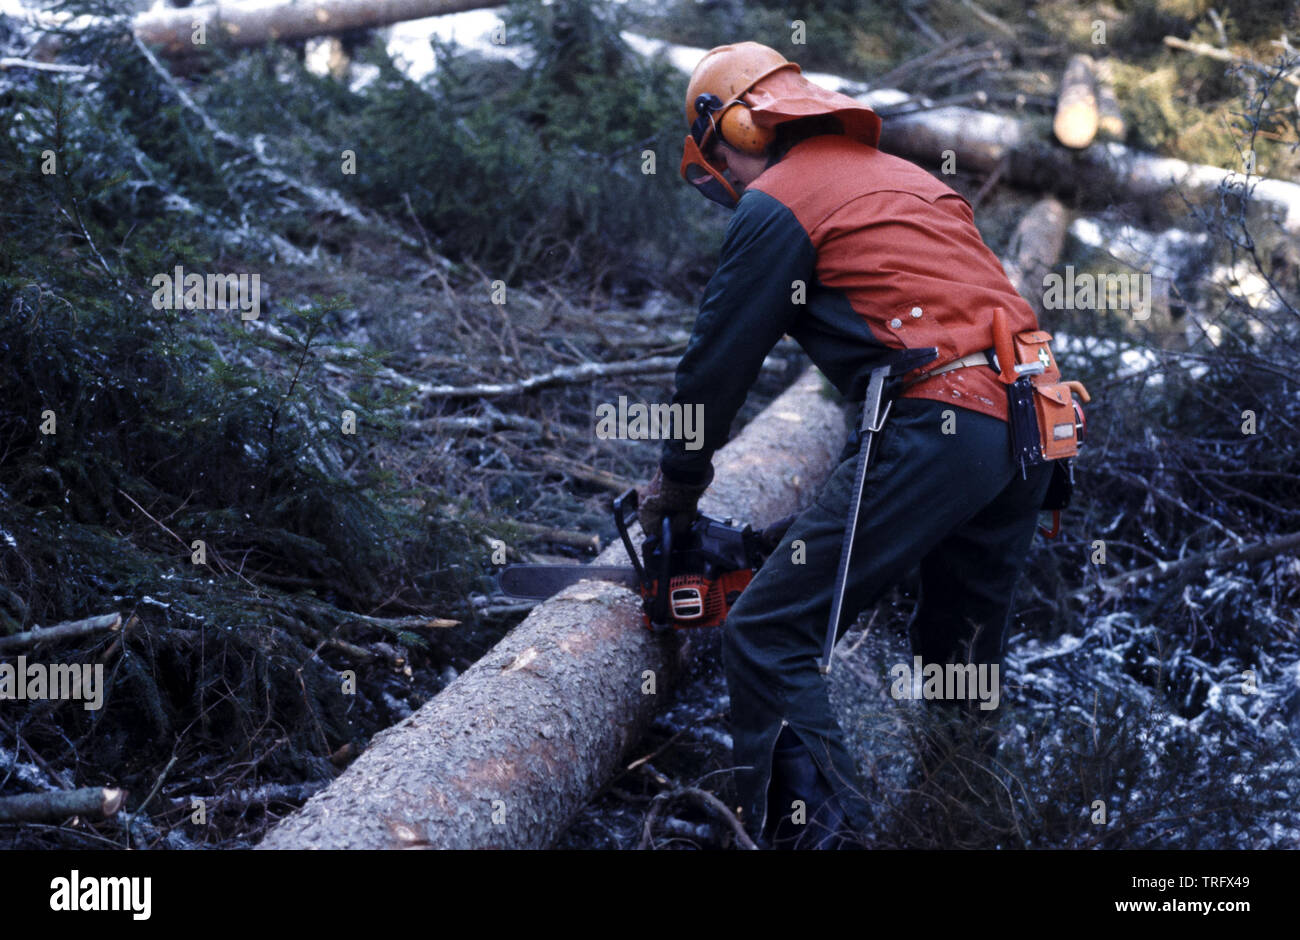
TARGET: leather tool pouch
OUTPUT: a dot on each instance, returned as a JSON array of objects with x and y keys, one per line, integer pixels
[
  {"x": 1057, "y": 432},
  {"x": 1036, "y": 346},
  {"x": 1046, "y": 422}
]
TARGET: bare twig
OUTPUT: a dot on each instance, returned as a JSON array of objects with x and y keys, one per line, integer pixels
[
  {"x": 573, "y": 539},
  {"x": 584, "y": 472},
  {"x": 483, "y": 424},
  {"x": 566, "y": 375},
  {"x": 157, "y": 784},
  {"x": 350, "y": 650},
  {"x": 891, "y": 78},
  {"x": 720, "y": 809},
  {"x": 1267, "y": 548},
  {"x": 92, "y": 802},
  {"x": 9, "y": 62},
  {"x": 1223, "y": 55},
  {"x": 926, "y": 29},
  {"x": 714, "y": 716},
  {"x": 297, "y": 793},
  {"x": 703, "y": 797},
  {"x": 993, "y": 179},
  {"x": 987, "y": 18},
  {"x": 62, "y": 631}
]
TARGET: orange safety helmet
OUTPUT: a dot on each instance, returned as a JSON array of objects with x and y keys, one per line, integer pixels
[
  {"x": 727, "y": 73},
  {"x": 739, "y": 94}
]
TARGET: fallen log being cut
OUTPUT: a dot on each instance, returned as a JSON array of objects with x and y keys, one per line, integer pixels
[
  {"x": 509, "y": 752},
  {"x": 506, "y": 755}
]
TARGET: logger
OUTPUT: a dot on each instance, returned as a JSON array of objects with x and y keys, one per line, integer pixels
[{"x": 864, "y": 260}]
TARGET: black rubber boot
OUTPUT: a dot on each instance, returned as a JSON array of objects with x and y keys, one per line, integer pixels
[{"x": 821, "y": 823}]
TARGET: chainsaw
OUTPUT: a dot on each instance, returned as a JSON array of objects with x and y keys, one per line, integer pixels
[{"x": 686, "y": 581}]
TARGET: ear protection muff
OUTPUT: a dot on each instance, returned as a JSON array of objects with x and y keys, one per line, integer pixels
[
  {"x": 732, "y": 122},
  {"x": 738, "y": 129}
]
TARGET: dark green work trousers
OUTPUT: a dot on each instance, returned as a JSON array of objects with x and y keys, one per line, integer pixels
[{"x": 954, "y": 504}]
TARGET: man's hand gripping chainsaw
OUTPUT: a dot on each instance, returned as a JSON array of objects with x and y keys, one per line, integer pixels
[{"x": 685, "y": 580}]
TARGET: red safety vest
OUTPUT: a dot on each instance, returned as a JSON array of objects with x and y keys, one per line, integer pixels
[{"x": 904, "y": 249}]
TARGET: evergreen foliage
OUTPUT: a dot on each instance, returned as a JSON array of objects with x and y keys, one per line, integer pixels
[{"x": 171, "y": 425}]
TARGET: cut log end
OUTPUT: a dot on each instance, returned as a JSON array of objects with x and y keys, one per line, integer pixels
[
  {"x": 1077, "y": 116},
  {"x": 111, "y": 801}
]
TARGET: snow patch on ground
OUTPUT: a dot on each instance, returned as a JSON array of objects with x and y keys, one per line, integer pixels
[
  {"x": 1167, "y": 254},
  {"x": 1130, "y": 360},
  {"x": 27, "y": 773}
]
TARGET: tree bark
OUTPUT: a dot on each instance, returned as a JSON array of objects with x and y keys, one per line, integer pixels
[
  {"x": 1110, "y": 117},
  {"x": 242, "y": 25},
  {"x": 95, "y": 802},
  {"x": 507, "y": 754}
]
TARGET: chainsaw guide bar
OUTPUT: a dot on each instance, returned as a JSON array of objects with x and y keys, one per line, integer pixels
[{"x": 539, "y": 582}]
